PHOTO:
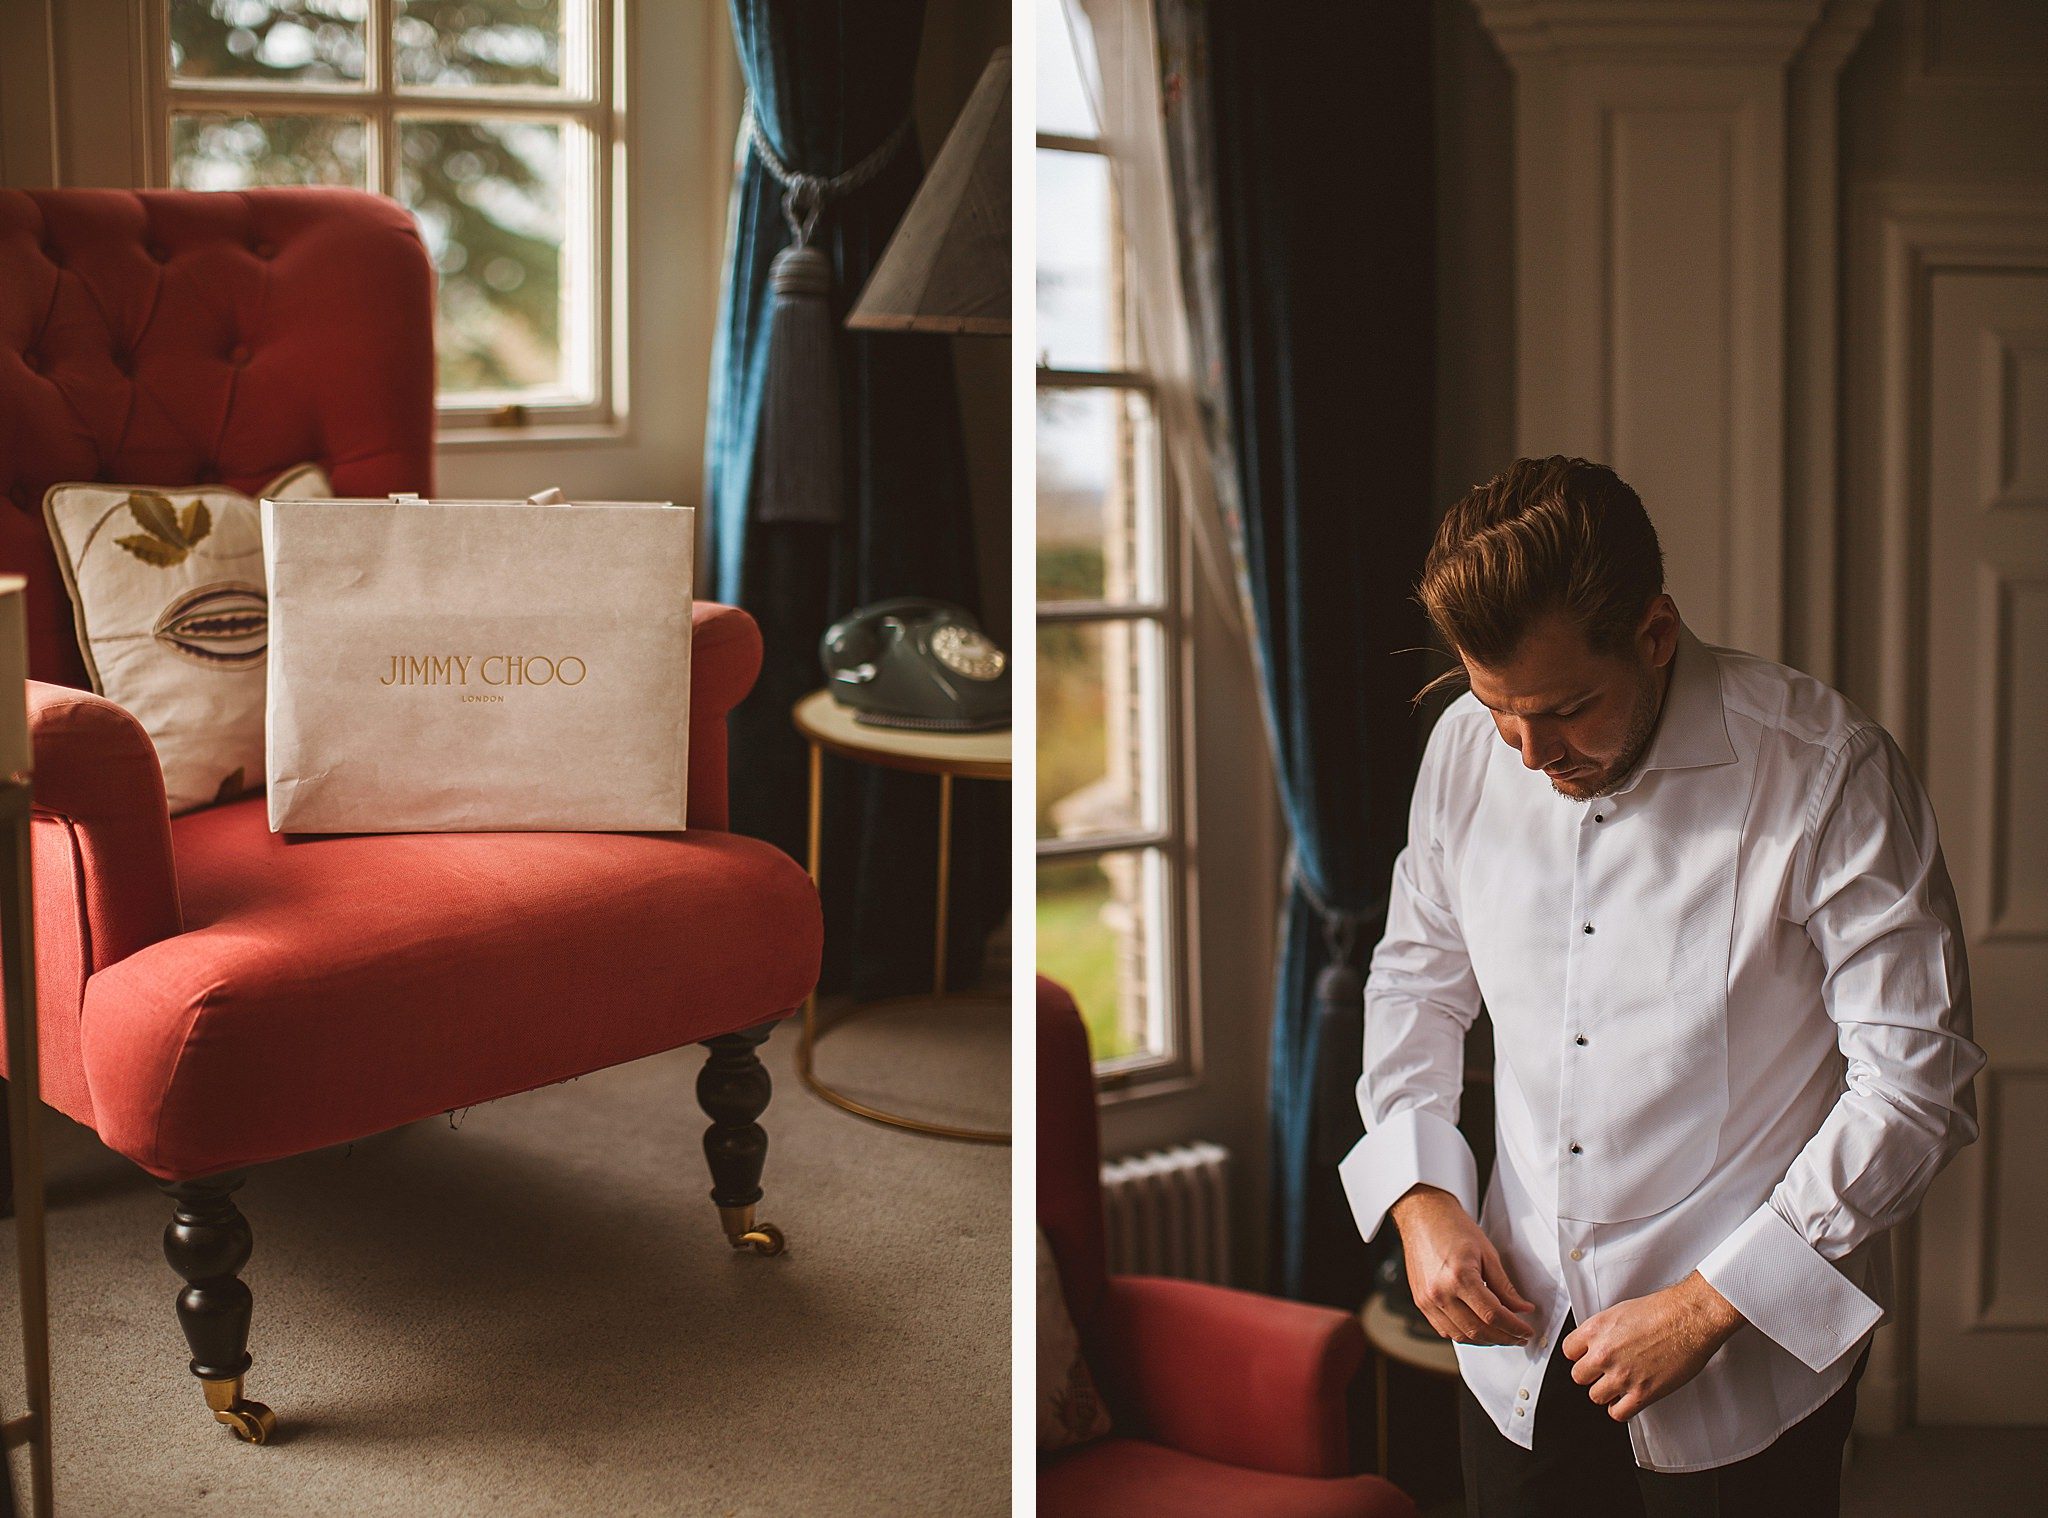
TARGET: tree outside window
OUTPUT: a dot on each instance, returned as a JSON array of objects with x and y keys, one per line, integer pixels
[{"x": 488, "y": 119}]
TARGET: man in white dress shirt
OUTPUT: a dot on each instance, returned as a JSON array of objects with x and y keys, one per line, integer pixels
[{"x": 1702, "y": 898}]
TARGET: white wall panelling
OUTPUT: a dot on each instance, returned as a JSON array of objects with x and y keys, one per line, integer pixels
[
  {"x": 1962, "y": 284},
  {"x": 2010, "y": 1291},
  {"x": 1652, "y": 267},
  {"x": 1813, "y": 360},
  {"x": 1975, "y": 48},
  {"x": 1911, "y": 235},
  {"x": 28, "y": 95}
]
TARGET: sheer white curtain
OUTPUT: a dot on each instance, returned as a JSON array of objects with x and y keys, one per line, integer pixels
[{"x": 1124, "y": 93}]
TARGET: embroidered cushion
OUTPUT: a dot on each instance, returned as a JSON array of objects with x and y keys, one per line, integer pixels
[
  {"x": 1070, "y": 1409},
  {"x": 167, "y": 588}
]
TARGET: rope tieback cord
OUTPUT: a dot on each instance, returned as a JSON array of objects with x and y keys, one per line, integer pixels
[
  {"x": 804, "y": 195},
  {"x": 800, "y": 474},
  {"x": 1340, "y": 925}
]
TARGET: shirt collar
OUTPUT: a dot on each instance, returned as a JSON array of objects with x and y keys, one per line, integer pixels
[{"x": 1692, "y": 728}]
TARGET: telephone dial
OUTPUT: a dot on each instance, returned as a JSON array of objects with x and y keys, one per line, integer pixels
[{"x": 917, "y": 663}]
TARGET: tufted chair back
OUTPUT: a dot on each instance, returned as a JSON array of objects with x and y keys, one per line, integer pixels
[{"x": 174, "y": 337}]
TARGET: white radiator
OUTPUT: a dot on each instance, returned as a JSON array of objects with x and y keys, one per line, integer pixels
[{"x": 1168, "y": 1213}]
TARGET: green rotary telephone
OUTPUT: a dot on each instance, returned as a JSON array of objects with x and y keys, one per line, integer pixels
[{"x": 910, "y": 662}]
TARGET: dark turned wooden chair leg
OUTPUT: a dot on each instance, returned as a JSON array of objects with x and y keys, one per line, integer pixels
[
  {"x": 733, "y": 1088},
  {"x": 207, "y": 1242}
]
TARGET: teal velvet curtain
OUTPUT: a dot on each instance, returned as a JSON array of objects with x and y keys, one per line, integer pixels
[
  {"x": 832, "y": 79},
  {"x": 1317, "y": 161}
]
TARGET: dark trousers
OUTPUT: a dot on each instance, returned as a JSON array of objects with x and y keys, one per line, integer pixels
[{"x": 1583, "y": 1466}]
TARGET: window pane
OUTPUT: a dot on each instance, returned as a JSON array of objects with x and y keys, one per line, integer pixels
[
  {"x": 1079, "y": 302},
  {"x": 491, "y": 197},
  {"x": 1099, "y": 935},
  {"x": 277, "y": 40},
  {"x": 1062, "y": 99},
  {"x": 1098, "y": 496},
  {"x": 1099, "y": 722},
  {"x": 236, "y": 152},
  {"x": 478, "y": 42}
]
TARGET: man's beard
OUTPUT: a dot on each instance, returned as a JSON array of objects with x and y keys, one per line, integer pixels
[{"x": 1635, "y": 740}]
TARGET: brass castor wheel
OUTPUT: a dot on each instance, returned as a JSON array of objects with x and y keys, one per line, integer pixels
[
  {"x": 742, "y": 1232},
  {"x": 252, "y": 1422}
]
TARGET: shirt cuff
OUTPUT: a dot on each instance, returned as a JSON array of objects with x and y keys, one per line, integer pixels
[
  {"x": 1789, "y": 1290},
  {"x": 1411, "y": 1148}
]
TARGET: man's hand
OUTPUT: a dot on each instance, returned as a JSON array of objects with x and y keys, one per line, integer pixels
[
  {"x": 1645, "y": 1348},
  {"x": 1455, "y": 1273}
]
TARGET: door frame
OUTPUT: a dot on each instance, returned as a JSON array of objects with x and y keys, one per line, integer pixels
[{"x": 1907, "y": 232}]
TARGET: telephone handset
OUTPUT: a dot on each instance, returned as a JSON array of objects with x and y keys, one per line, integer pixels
[{"x": 917, "y": 663}]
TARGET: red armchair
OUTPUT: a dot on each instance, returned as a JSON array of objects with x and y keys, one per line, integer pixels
[
  {"x": 210, "y": 995},
  {"x": 1224, "y": 1401}
]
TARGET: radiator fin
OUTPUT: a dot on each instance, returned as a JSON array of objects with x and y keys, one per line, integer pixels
[{"x": 1168, "y": 1213}]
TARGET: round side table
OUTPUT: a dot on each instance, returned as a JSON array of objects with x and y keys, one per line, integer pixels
[
  {"x": 828, "y": 726},
  {"x": 1393, "y": 1339}
]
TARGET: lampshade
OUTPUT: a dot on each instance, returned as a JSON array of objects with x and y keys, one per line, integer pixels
[{"x": 947, "y": 268}]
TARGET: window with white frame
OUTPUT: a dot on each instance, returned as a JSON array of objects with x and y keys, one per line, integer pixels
[
  {"x": 491, "y": 120},
  {"x": 1111, "y": 886}
]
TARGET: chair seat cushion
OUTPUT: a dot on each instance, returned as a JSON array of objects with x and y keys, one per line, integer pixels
[
  {"x": 1134, "y": 1478},
  {"x": 329, "y": 988}
]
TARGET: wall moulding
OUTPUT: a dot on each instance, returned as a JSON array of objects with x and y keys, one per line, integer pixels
[
  {"x": 1753, "y": 497},
  {"x": 2012, "y": 361},
  {"x": 1662, "y": 176},
  {"x": 2015, "y": 909},
  {"x": 1909, "y": 233},
  {"x": 1931, "y": 68},
  {"x": 2006, "y": 1295},
  {"x": 1813, "y": 357},
  {"x": 1726, "y": 31}
]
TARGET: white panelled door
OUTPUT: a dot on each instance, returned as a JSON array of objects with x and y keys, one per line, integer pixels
[{"x": 1983, "y": 1317}]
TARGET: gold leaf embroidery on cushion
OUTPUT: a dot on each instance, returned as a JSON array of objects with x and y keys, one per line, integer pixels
[
  {"x": 225, "y": 625},
  {"x": 151, "y": 551},
  {"x": 156, "y": 516},
  {"x": 1078, "y": 1405},
  {"x": 168, "y": 534}
]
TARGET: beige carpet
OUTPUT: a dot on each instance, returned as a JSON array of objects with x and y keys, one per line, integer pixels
[{"x": 535, "y": 1312}]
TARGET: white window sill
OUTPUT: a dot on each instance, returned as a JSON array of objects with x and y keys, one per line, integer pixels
[
  {"x": 1137, "y": 1088},
  {"x": 533, "y": 435}
]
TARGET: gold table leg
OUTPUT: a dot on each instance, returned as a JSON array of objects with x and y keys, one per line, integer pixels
[
  {"x": 945, "y": 865},
  {"x": 810, "y": 1028},
  {"x": 807, "y": 1041}
]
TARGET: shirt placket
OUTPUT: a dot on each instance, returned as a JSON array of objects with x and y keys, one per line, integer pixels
[
  {"x": 1535, "y": 1360},
  {"x": 1579, "y": 1141},
  {"x": 1575, "y": 1158},
  {"x": 1576, "y": 1241}
]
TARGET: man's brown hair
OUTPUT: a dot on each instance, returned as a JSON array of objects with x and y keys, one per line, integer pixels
[{"x": 1542, "y": 536}]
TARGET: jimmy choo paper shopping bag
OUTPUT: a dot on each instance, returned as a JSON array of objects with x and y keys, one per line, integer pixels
[{"x": 459, "y": 666}]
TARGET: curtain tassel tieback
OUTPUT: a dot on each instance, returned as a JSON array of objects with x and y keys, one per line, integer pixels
[
  {"x": 1338, "y": 1004},
  {"x": 799, "y": 476},
  {"x": 1340, "y": 926}
]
